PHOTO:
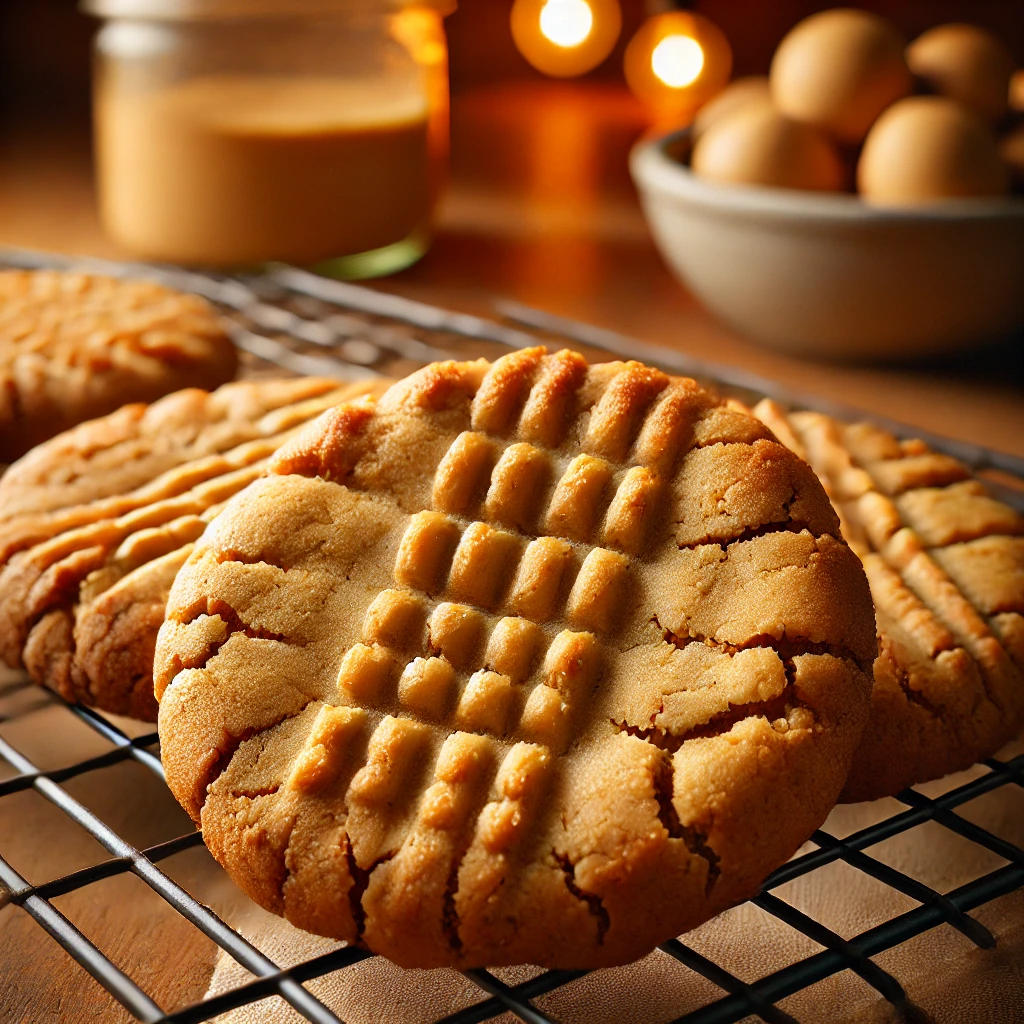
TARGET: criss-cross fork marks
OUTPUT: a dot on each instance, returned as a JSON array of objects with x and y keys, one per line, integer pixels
[
  {"x": 474, "y": 671},
  {"x": 914, "y": 515},
  {"x": 542, "y": 579},
  {"x": 417, "y": 657},
  {"x": 509, "y": 551},
  {"x": 464, "y": 772},
  {"x": 507, "y": 469},
  {"x": 590, "y": 498},
  {"x": 502, "y": 590}
]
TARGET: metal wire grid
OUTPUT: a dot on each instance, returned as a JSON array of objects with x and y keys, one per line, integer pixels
[
  {"x": 742, "y": 999},
  {"x": 291, "y": 319},
  {"x": 374, "y": 327}
]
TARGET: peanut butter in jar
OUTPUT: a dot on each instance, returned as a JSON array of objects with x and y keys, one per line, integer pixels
[{"x": 242, "y": 139}]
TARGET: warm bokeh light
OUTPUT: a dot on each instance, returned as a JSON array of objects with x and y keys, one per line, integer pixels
[
  {"x": 676, "y": 62},
  {"x": 566, "y": 22},
  {"x": 564, "y": 38},
  {"x": 421, "y": 31}
]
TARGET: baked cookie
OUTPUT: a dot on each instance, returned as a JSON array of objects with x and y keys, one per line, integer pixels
[
  {"x": 80, "y": 609},
  {"x": 946, "y": 566},
  {"x": 525, "y": 662},
  {"x": 76, "y": 346},
  {"x": 109, "y": 647},
  {"x": 140, "y": 454}
]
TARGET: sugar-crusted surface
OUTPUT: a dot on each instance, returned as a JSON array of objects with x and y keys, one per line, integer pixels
[
  {"x": 141, "y": 453},
  {"x": 80, "y": 607},
  {"x": 76, "y": 346},
  {"x": 945, "y": 562},
  {"x": 523, "y": 662}
]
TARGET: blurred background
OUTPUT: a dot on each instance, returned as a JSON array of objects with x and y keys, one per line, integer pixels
[
  {"x": 540, "y": 206},
  {"x": 44, "y": 44}
]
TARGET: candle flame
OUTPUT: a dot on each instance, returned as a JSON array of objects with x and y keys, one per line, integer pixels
[
  {"x": 677, "y": 61},
  {"x": 566, "y": 23}
]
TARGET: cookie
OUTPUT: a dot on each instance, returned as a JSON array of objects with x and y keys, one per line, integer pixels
[
  {"x": 113, "y": 637},
  {"x": 213, "y": 448},
  {"x": 132, "y": 457},
  {"x": 945, "y": 562},
  {"x": 80, "y": 609},
  {"x": 524, "y": 662},
  {"x": 77, "y": 346}
]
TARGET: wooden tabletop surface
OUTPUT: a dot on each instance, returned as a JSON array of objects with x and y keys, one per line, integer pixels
[{"x": 541, "y": 209}]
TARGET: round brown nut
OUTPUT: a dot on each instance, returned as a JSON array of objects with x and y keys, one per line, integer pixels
[{"x": 928, "y": 148}]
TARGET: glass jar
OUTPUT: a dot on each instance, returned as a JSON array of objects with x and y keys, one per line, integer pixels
[{"x": 234, "y": 132}]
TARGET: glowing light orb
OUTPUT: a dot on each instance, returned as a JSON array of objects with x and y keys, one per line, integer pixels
[
  {"x": 564, "y": 38},
  {"x": 677, "y": 61},
  {"x": 567, "y": 23}
]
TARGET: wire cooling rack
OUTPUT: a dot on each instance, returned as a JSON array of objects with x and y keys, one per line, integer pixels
[{"x": 289, "y": 319}]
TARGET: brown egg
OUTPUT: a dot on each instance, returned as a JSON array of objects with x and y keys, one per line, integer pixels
[
  {"x": 736, "y": 94},
  {"x": 926, "y": 148},
  {"x": 838, "y": 70},
  {"x": 757, "y": 145},
  {"x": 965, "y": 63}
]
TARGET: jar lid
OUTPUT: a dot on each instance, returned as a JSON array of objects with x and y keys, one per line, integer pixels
[{"x": 198, "y": 10}]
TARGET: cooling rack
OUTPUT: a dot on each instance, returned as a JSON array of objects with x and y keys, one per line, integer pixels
[{"x": 289, "y": 319}]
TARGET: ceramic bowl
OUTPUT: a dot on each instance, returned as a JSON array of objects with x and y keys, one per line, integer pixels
[{"x": 828, "y": 275}]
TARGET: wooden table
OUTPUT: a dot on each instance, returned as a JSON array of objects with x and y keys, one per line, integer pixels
[{"x": 541, "y": 209}]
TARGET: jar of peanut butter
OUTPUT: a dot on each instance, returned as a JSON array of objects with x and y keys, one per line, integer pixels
[{"x": 234, "y": 132}]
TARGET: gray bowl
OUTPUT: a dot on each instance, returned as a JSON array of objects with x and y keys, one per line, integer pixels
[{"x": 828, "y": 275}]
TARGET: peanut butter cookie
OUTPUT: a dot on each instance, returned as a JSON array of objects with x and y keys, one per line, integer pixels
[
  {"x": 524, "y": 662},
  {"x": 80, "y": 607},
  {"x": 945, "y": 562},
  {"x": 76, "y": 346},
  {"x": 112, "y": 456}
]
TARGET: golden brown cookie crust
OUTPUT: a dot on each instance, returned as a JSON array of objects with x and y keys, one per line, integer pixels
[
  {"x": 77, "y": 346},
  {"x": 134, "y": 456},
  {"x": 945, "y": 562},
  {"x": 524, "y": 662},
  {"x": 80, "y": 608}
]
